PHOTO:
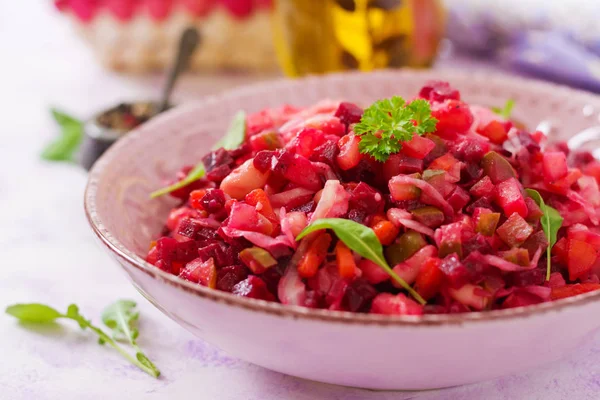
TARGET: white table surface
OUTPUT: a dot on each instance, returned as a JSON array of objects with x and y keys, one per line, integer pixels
[{"x": 49, "y": 254}]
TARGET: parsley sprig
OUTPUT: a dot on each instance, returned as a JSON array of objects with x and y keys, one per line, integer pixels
[{"x": 389, "y": 122}]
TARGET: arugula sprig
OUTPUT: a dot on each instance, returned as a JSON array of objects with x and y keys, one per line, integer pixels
[
  {"x": 363, "y": 241},
  {"x": 119, "y": 316},
  {"x": 235, "y": 136},
  {"x": 389, "y": 122},
  {"x": 505, "y": 111},
  {"x": 551, "y": 222},
  {"x": 64, "y": 147}
]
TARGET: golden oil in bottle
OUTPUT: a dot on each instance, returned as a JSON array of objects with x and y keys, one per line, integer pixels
[{"x": 318, "y": 36}]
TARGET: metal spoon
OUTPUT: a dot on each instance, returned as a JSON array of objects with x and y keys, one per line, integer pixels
[{"x": 188, "y": 42}]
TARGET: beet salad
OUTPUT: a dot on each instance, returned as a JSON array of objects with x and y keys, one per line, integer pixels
[{"x": 420, "y": 206}]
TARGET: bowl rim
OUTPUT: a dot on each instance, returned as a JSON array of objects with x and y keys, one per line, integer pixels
[{"x": 298, "y": 312}]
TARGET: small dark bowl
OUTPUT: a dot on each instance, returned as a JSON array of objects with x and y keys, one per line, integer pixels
[{"x": 105, "y": 128}]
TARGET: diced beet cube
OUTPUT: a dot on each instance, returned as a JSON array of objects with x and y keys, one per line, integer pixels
[
  {"x": 555, "y": 165},
  {"x": 349, "y": 113},
  {"x": 470, "y": 149},
  {"x": 401, "y": 164},
  {"x": 219, "y": 252},
  {"x": 535, "y": 277},
  {"x": 418, "y": 147},
  {"x": 297, "y": 169},
  {"x": 534, "y": 212},
  {"x": 455, "y": 272},
  {"x": 170, "y": 252},
  {"x": 497, "y": 167},
  {"x": 195, "y": 230},
  {"x": 510, "y": 198},
  {"x": 326, "y": 153},
  {"x": 389, "y": 304},
  {"x": 358, "y": 296},
  {"x": 484, "y": 187},
  {"x": 470, "y": 174},
  {"x": 534, "y": 242},
  {"x": 264, "y": 160},
  {"x": 254, "y": 288},
  {"x": 454, "y": 118},
  {"x": 314, "y": 299},
  {"x": 515, "y": 230},
  {"x": 366, "y": 198},
  {"x": 217, "y": 158},
  {"x": 218, "y": 173},
  {"x": 459, "y": 198},
  {"x": 521, "y": 298},
  {"x": 213, "y": 200},
  {"x": 305, "y": 142},
  {"x": 438, "y": 91},
  {"x": 229, "y": 276},
  {"x": 202, "y": 272}
]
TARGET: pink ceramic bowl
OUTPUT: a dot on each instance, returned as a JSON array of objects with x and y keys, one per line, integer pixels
[{"x": 369, "y": 351}]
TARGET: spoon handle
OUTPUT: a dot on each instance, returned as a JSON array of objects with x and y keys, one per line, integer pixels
[{"x": 187, "y": 45}]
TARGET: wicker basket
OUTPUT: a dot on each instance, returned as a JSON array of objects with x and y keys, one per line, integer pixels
[{"x": 142, "y": 35}]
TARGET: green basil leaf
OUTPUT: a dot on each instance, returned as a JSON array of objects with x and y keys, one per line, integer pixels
[
  {"x": 551, "y": 221},
  {"x": 64, "y": 147},
  {"x": 505, "y": 111},
  {"x": 236, "y": 134},
  {"x": 195, "y": 174},
  {"x": 34, "y": 312},
  {"x": 122, "y": 318},
  {"x": 362, "y": 240}
]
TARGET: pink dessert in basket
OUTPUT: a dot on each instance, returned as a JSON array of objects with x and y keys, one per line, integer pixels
[{"x": 466, "y": 213}]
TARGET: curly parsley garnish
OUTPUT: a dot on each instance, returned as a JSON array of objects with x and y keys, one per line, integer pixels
[{"x": 389, "y": 122}]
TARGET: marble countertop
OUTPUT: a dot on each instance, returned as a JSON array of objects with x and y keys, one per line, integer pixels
[{"x": 50, "y": 255}]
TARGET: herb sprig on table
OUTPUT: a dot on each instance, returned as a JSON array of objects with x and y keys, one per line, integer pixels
[
  {"x": 389, "y": 122},
  {"x": 66, "y": 145},
  {"x": 119, "y": 316}
]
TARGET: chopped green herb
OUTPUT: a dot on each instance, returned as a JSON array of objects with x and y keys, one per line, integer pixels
[
  {"x": 64, "y": 147},
  {"x": 551, "y": 223},
  {"x": 389, "y": 122},
  {"x": 506, "y": 111},
  {"x": 362, "y": 240},
  {"x": 117, "y": 314}
]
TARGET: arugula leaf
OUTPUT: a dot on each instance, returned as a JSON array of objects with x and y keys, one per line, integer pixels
[
  {"x": 33, "y": 312},
  {"x": 551, "y": 223},
  {"x": 235, "y": 134},
  {"x": 362, "y": 240},
  {"x": 64, "y": 147},
  {"x": 122, "y": 319},
  {"x": 40, "y": 313},
  {"x": 389, "y": 122},
  {"x": 505, "y": 111},
  {"x": 233, "y": 139},
  {"x": 195, "y": 174}
]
